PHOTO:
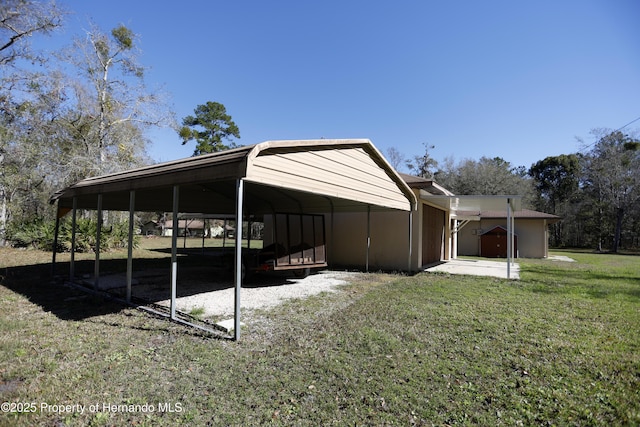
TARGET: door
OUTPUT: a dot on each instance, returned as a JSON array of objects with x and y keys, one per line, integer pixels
[{"x": 433, "y": 233}]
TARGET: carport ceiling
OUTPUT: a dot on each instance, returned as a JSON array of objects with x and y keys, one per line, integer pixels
[{"x": 294, "y": 176}]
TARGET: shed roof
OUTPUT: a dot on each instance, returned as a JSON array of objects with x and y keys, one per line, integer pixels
[
  {"x": 498, "y": 229},
  {"x": 297, "y": 175}
]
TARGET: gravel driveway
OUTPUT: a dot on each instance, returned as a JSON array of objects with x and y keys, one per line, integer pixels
[
  {"x": 262, "y": 295},
  {"x": 214, "y": 296}
]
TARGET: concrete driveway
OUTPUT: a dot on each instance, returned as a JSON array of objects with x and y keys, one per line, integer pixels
[{"x": 474, "y": 267}]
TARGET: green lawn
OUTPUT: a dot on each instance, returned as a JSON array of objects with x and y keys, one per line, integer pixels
[{"x": 561, "y": 346}]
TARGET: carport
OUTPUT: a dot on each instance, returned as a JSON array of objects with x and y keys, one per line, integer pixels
[{"x": 299, "y": 176}]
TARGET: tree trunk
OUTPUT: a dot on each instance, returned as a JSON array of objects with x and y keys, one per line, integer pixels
[{"x": 616, "y": 237}]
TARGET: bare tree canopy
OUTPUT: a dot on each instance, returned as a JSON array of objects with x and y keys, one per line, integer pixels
[
  {"x": 60, "y": 124},
  {"x": 21, "y": 19},
  {"x": 423, "y": 165},
  {"x": 612, "y": 182}
]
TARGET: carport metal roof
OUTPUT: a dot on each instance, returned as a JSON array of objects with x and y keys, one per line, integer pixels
[{"x": 296, "y": 176}]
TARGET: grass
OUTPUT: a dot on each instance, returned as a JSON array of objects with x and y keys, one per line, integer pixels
[{"x": 561, "y": 346}]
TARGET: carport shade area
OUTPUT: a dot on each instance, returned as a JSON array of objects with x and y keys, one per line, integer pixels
[{"x": 299, "y": 176}]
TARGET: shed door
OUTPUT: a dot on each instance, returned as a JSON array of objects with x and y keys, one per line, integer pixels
[
  {"x": 494, "y": 244},
  {"x": 433, "y": 231}
]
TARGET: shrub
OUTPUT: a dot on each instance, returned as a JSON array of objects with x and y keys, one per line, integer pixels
[
  {"x": 40, "y": 234},
  {"x": 36, "y": 233}
]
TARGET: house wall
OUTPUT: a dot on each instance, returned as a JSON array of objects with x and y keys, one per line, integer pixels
[
  {"x": 532, "y": 237},
  {"x": 389, "y": 231}
]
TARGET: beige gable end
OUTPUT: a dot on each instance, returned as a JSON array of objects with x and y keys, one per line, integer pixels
[{"x": 350, "y": 173}]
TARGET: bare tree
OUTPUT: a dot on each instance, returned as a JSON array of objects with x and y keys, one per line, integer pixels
[
  {"x": 395, "y": 157},
  {"x": 612, "y": 181},
  {"x": 21, "y": 19},
  {"x": 423, "y": 165},
  {"x": 115, "y": 105},
  {"x": 61, "y": 128},
  {"x": 487, "y": 176}
]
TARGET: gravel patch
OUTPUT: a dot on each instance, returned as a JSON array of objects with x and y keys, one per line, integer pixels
[{"x": 262, "y": 292}]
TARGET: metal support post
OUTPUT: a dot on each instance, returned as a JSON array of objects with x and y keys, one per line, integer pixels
[
  {"x": 238, "y": 263},
  {"x": 132, "y": 202},
  {"x": 409, "y": 269},
  {"x": 509, "y": 235},
  {"x": 174, "y": 251},
  {"x": 368, "y": 237}
]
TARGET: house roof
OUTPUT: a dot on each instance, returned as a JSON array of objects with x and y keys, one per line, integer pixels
[
  {"x": 296, "y": 176},
  {"x": 194, "y": 224},
  {"x": 427, "y": 185}
]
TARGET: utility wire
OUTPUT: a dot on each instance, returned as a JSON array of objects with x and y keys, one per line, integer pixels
[
  {"x": 631, "y": 122},
  {"x": 617, "y": 130}
]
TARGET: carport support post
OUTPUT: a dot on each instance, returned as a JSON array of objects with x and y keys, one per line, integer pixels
[
  {"x": 96, "y": 265},
  {"x": 174, "y": 251},
  {"x": 514, "y": 252},
  {"x": 132, "y": 202},
  {"x": 238, "y": 267},
  {"x": 368, "y": 236},
  {"x": 509, "y": 235},
  {"x": 410, "y": 238}
]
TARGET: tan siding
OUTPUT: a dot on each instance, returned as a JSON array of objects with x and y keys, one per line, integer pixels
[
  {"x": 335, "y": 162},
  {"x": 345, "y": 173},
  {"x": 389, "y": 240},
  {"x": 322, "y": 169}
]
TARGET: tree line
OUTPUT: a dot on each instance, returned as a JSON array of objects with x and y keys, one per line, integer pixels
[
  {"x": 596, "y": 191},
  {"x": 85, "y": 110}
]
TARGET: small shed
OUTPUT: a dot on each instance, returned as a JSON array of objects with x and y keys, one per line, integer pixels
[
  {"x": 493, "y": 243},
  {"x": 532, "y": 228}
]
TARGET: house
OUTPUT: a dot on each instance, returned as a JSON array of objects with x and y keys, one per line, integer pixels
[{"x": 186, "y": 227}]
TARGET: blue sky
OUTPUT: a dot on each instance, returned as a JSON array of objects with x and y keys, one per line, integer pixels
[{"x": 515, "y": 79}]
